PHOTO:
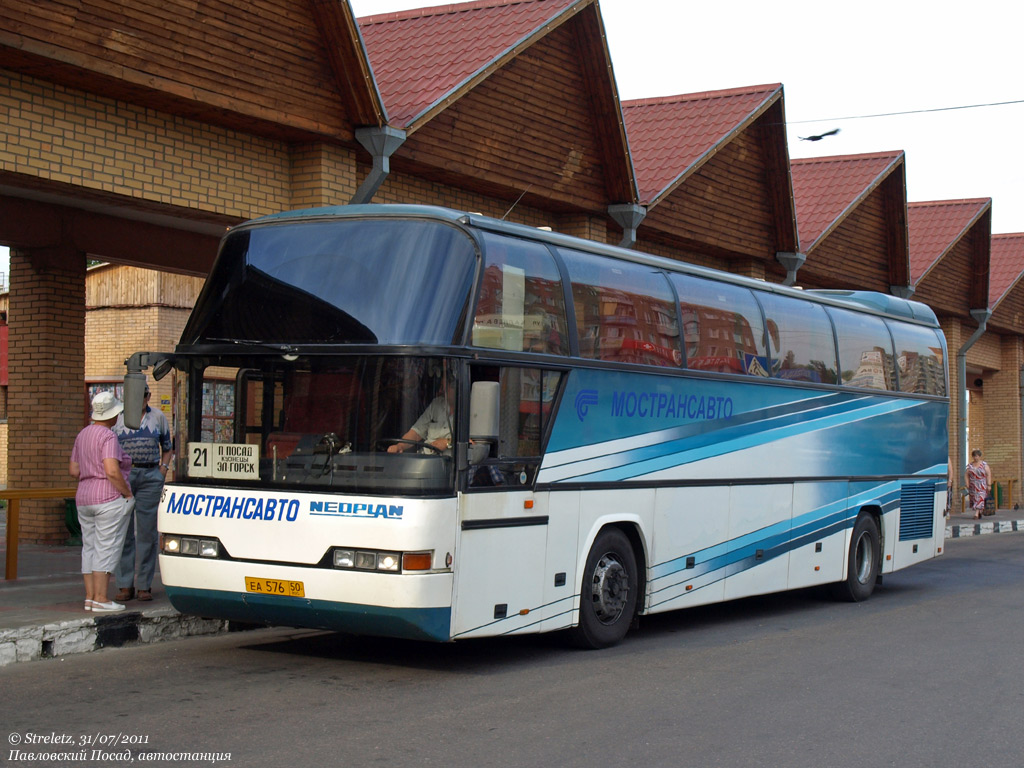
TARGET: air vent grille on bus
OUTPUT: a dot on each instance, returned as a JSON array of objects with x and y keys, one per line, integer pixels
[{"x": 917, "y": 511}]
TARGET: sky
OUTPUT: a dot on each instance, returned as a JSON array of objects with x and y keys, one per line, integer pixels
[{"x": 840, "y": 64}]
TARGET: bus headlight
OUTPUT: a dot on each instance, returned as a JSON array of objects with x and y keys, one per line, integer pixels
[
  {"x": 387, "y": 561},
  {"x": 173, "y": 544},
  {"x": 375, "y": 560},
  {"x": 344, "y": 558},
  {"x": 208, "y": 548}
]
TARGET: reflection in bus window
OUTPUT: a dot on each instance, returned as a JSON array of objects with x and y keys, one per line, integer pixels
[
  {"x": 527, "y": 399},
  {"x": 722, "y": 327},
  {"x": 800, "y": 338},
  {"x": 624, "y": 312},
  {"x": 865, "y": 350},
  {"x": 521, "y": 305},
  {"x": 919, "y": 359}
]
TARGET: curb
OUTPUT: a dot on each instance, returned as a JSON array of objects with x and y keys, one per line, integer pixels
[
  {"x": 964, "y": 530},
  {"x": 112, "y": 631}
]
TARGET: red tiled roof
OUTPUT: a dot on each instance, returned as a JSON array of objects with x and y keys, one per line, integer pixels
[
  {"x": 825, "y": 189},
  {"x": 419, "y": 57},
  {"x": 1006, "y": 266},
  {"x": 934, "y": 227},
  {"x": 669, "y": 135}
]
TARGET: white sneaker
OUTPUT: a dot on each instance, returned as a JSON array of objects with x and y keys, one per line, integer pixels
[{"x": 110, "y": 607}]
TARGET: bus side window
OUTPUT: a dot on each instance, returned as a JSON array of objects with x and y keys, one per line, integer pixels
[
  {"x": 919, "y": 358},
  {"x": 865, "y": 350},
  {"x": 521, "y": 306},
  {"x": 526, "y": 400},
  {"x": 800, "y": 337},
  {"x": 624, "y": 312},
  {"x": 722, "y": 327}
]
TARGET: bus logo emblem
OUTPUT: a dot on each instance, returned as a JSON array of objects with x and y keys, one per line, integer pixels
[{"x": 585, "y": 399}]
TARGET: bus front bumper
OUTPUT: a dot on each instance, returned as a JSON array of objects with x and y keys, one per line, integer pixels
[{"x": 412, "y": 623}]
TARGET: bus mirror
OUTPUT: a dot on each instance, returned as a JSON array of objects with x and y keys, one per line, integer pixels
[
  {"x": 484, "y": 399},
  {"x": 134, "y": 399},
  {"x": 161, "y": 369}
]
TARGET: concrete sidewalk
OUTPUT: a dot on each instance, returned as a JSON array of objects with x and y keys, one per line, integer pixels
[{"x": 41, "y": 612}]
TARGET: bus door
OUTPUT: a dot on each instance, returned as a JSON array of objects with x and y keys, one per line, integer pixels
[
  {"x": 500, "y": 560},
  {"x": 503, "y": 524}
]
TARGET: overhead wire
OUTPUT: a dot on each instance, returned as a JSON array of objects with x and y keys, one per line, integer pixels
[{"x": 907, "y": 112}]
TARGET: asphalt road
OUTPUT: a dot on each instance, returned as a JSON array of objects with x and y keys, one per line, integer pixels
[{"x": 926, "y": 673}]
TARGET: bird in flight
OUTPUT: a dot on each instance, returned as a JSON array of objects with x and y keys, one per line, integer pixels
[{"x": 820, "y": 136}]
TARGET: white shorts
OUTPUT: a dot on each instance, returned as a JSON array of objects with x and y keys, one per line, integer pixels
[{"x": 103, "y": 530}]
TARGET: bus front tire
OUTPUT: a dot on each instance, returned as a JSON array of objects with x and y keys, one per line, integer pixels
[
  {"x": 863, "y": 562},
  {"x": 608, "y": 597}
]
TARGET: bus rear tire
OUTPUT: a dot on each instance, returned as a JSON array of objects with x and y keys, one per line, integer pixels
[
  {"x": 863, "y": 562},
  {"x": 608, "y": 597}
]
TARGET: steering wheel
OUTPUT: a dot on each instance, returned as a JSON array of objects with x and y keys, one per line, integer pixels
[{"x": 416, "y": 443}]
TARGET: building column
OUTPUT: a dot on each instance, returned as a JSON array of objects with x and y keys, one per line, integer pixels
[
  {"x": 952, "y": 328},
  {"x": 1002, "y": 405},
  {"x": 321, "y": 174},
  {"x": 46, "y": 393}
]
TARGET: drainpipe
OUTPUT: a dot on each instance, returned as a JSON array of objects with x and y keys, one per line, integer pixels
[
  {"x": 981, "y": 316},
  {"x": 902, "y": 291},
  {"x": 1021, "y": 381},
  {"x": 628, "y": 217},
  {"x": 792, "y": 262},
  {"x": 381, "y": 142}
]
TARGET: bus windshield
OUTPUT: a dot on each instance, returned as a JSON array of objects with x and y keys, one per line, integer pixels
[
  {"x": 342, "y": 423},
  {"x": 352, "y": 281}
]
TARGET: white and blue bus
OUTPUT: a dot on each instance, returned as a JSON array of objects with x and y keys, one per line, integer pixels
[{"x": 621, "y": 434}]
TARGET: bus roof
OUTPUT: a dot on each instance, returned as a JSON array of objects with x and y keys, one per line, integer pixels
[{"x": 873, "y": 301}]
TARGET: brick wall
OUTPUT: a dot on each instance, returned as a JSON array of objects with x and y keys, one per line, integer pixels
[
  {"x": 47, "y": 362},
  {"x": 3, "y": 452},
  {"x": 60, "y": 134},
  {"x": 1002, "y": 413}
]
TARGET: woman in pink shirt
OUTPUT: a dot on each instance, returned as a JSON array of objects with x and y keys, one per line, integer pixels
[{"x": 104, "y": 500}]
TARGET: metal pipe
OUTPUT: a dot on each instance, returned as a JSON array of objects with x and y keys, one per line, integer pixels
[
  {"x": 381, "y": 143},
  {"x": 981, "y": 316}
]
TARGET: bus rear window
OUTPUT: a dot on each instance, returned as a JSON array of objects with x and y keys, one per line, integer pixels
[
  {"x": 919, "y": 358},
  {"x": 865, "y": 350}
]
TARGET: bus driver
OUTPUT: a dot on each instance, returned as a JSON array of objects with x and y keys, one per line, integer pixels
[{"x": 434, "y": 426}]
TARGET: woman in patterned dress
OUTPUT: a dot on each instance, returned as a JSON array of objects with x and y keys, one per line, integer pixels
[{"x": 979, "y": 482}]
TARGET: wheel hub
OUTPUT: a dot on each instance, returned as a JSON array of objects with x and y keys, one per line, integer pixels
[{"x": 611, "y": 589}]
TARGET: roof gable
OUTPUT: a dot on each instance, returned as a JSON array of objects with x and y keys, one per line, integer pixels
[
  {"x": 669, "y": 137},
  {"x": 935, "y": 227},
  {"x": 287, "y": 70},
  {"x": 826, "y": 189},
  {"x": 1006, "y": 266},
  {"x": 421, "y": 59}
]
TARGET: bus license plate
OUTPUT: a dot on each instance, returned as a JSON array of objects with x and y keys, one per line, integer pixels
[{"x": 274, "y": 587}]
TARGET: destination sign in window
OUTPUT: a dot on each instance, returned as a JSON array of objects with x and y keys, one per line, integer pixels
[{"x": 233, "y": 461}]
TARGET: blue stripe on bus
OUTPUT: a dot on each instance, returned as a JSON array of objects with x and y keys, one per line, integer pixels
[
  {"x": 735, "y": 556},
  {"x": 720, "y": 561},
  {"x": 711, "y": 442},
  {"x": 412, "y": 623}
]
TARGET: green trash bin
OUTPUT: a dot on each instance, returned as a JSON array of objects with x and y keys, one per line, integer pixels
[{"x": 72, "y": 524}]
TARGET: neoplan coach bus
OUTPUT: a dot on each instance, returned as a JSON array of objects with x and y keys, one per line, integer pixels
[{"x": 626, "y": 434}]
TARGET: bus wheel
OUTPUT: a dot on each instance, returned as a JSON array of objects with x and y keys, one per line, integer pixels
[
  {"x": 864, "y": 562},
  {"x": 609, "y": 595}
]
